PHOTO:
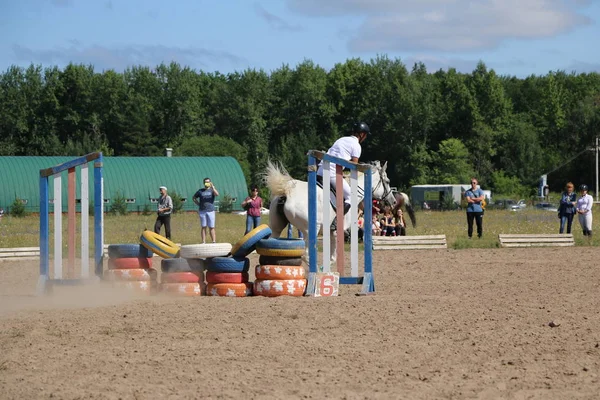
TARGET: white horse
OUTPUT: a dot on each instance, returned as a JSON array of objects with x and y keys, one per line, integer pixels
[{"x": 289, "y": 201}]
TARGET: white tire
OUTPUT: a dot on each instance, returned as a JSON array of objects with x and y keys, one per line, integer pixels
[{"x": 207, "y": 250}]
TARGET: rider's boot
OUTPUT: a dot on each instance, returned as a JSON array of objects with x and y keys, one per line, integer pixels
[{"x": 334, "y": 222}]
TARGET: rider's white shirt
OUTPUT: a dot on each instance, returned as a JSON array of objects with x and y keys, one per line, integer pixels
[{"x": 346, "y": 148}]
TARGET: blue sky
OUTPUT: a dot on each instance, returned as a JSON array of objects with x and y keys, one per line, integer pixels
[{"x": 514, "y": 37}]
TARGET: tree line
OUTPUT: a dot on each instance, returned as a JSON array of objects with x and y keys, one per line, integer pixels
[{"x": 431, "y": 127}]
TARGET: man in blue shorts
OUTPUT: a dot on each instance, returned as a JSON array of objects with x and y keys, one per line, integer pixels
[{"x": 205, "y": 199}]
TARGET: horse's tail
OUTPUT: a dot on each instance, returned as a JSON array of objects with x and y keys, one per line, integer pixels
[
  {"x": 410, "y": 209},
  {"x": 277, "y": 180}
]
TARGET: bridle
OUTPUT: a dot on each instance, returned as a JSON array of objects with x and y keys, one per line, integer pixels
[{"x": 387, "y": 190}]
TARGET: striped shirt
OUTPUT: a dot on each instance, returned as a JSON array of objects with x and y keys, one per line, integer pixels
[{"x": 165, "y": 202}]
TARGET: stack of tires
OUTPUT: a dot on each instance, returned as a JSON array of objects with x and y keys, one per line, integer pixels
[
  {"x": 130, "y": 266},
  {"x": 184, "y": 276},
  {"x": 228, "y": 276},
  {"x": 280, "y": 271}
]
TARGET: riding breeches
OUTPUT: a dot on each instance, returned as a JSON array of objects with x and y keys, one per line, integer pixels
[
  {"x": 586, "y": 222},
  {"x": 346, "y": 189}
]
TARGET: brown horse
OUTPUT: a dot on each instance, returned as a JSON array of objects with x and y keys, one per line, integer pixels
[{"x": 402, "y": 200}]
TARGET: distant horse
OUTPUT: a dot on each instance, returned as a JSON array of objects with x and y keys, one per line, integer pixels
[
  {"x": 402, "y": 200},
  {"x": 289, "y": 200}
]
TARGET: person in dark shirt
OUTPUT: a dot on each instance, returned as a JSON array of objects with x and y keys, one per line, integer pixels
[{"x": 205, "y": 200}]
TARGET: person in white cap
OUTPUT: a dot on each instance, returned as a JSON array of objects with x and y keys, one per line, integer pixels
[{"x": 165, "y": 208}]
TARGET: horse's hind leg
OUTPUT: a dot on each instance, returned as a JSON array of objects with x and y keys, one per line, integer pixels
[{"x": 277, "y": 220}]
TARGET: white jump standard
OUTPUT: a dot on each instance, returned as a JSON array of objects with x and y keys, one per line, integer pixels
[
  {"x": 367, "y": 282},
  {"x": 56, "y": 172}
]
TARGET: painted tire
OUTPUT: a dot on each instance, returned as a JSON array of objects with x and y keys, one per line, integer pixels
[
  {"x": 182, "y": 289},
  {"x": 226, "y": 277},
  {"x": 181, "y": 265},
  {"x": 181, "y": 277},
  {"x": 229, "y": 289},
  {"x": 129, "y": 263},
  {"x": 287, "y": 253},
  {"x": 146, "y": 274},
  {"x": 159, "y": 244},
  {"x": 281, "y": 244},
  {"x": 146, "y": 287},
  {"x": 128, "y": 251},
  {"x": 281, "y": 247},
  {"x": 206, "y": 250},
  {"x": 227, "y": 264},
  {"x": 247, "y": 244},
  {"x": 268, "y": 260},
  {"x": 282, "y": 287},
  {"x": 279, "y": 272}
]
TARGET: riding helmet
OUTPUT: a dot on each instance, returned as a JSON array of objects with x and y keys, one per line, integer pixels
[
  {"x": 361, "y": 127},
  {"x": 583, "y": 187}
]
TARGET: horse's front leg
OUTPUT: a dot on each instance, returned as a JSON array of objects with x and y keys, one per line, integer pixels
[
  {"x": 333, "y": 246},
  {"x": 305, "y": 257}
]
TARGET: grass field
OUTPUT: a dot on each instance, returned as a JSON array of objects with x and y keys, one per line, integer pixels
[{"x": 24, "y": 232}]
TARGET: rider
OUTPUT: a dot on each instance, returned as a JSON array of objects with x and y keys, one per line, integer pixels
[{"x": 347, "y": 148}]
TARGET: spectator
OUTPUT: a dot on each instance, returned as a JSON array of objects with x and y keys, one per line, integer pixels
[
  {"x": 252, "y": 205},
  {"x": 204, "y": 198},
  {"x": 165, "y": 208},
  {"x": 361, "y": 225},
  {"x": 584, "y": 209},
  {"x": 375, "y": 226},
  {"x": 1, "y": 212},
  {"x": 376, "y": 209},
  {"x": 567, "y": 210},
  {"x": 400, "y": 223},
  {"x": 474, "y": 197},
  {"x": 388, "y": 226}
]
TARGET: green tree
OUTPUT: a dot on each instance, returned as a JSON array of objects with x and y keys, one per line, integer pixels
[
  {"x": 452, "y": 163},
  {"x": 506, "y": 185}
]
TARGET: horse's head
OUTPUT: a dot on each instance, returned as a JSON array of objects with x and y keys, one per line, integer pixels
[{"x": 381, "y": 184}]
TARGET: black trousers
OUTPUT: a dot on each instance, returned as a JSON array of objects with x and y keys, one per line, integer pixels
[
  {"x": 478, "y": 217},
  {"x": 166, "y": 220}
]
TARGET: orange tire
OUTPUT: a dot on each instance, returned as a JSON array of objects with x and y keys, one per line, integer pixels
[
  {"x": 182, "y": 289},
  {"x": 181, "y": 277},
  {"x": 147, "y": 274},
  {"x": 229, "y": 289},
  {"x": 279, "y": 272},
  {"x": 149, "y": 287},
  {"x": 226, "y": 277},
  {"x": 281, "y": 287},
  {"x": 129, "y": 263}
]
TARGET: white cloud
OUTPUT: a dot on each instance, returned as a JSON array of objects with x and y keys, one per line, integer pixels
[
  {"x": 119, "y": 58},
  {"x": 447, "y": 25}
]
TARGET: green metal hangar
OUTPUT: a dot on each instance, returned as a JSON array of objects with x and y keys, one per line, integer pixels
[{"x": 137, "y": 179}]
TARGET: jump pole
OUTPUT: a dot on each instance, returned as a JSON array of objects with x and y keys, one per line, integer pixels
[
  {"x": 367, "y": 282},
  {"x": 45, "y": 281}
]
